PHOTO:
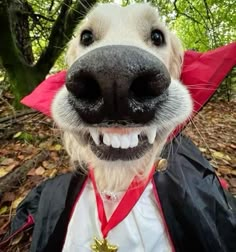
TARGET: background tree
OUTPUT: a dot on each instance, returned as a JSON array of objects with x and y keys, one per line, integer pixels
[
  {"x": 33, "y": 35},
  {"x": 201, "y": 24}
]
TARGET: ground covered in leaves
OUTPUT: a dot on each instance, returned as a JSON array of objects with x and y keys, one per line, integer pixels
[
  {"x": 31, "y": 151},
  {"x": 213, "y": 130}
]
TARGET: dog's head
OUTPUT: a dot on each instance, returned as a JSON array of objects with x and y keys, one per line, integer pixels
[{"x": 122, "y": 97}]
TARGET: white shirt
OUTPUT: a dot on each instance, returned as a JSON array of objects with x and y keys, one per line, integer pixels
[{"x": 141, "y": 231}]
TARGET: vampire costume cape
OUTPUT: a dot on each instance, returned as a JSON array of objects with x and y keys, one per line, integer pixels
[{"x": 196, "y": 213}]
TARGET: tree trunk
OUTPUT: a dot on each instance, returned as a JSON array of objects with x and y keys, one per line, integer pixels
[
  {"x": 23, "y": 80},
  {"x": 19, "y": 15},
  {"x": 16, "y": 49}
]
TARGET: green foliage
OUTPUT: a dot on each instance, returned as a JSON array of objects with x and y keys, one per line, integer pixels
[
  {"x": 24, "y": 136},
  {"x": 44, "y": 14},
  {"x": 201, "y": 24}
]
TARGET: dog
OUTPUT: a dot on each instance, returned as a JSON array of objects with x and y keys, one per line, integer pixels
[
  {"x": 121, "y": 101},
  {"x": 122, "y": 97}
]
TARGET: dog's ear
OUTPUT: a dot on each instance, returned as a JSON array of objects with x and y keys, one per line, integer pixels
[
  {"x": 176, "y": 56},
  {"x": 72, "y": 51}
]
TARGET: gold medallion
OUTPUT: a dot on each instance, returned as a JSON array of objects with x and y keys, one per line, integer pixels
[
  {"x": 161, "y": 165},
  {"x": 103, "y": 246}
]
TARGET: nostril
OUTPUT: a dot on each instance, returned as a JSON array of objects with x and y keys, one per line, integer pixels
[
  {"x": 140, "y": 89},
  {"x": 84, "y": 87},
  {"x": 148, "y": 86}
]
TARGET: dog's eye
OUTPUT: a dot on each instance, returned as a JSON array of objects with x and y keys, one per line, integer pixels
[
  {"x": 157, "y": 37},
  {"x": 86, "y": 38}
]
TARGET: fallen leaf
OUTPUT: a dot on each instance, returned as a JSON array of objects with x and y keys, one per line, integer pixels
[
  {"x": 31, "y": 172},
  {"x": 221, "y": 145},
  {"x": 233, "y": 172},
  {"x": 54, "y": 156},
  {"x": 39, "y": 171},
  {"x": 233, "y": 181},
  {"x": 3, "y": 210},
  {"x": 18, "y": 134},
  {"x": 17, "y": 238},
  {"x": 21, "y": 157},
  {"x": 49, "y": 120},
  {"x": 233, "y": 191},
  {"x": 217, "y": 173},
  {"x": 203, "y": 149},
  {"x": 220, "y": 155},
  {"x": 16, "y": 202},
  {"x": 217, "y": 154},
  {"x": 225, "y": 161},
  {"x": 3, "y": 226},
  {"x": 214, "y": 163},
  {"x": 52, "y": 173},
  {"x": 28, "y": 157},
  {"x": 224, "y": 170},
  {"x": 47, "y": 165},
  {"x": 233, "y": 163},
  {"x": 56, "y": 147},
  {"x": 7, "y": 161},
  {"x": 8, "y": 197},
  {"x": 233, "y": 146},
  {"x": 44, "y": 145},
  {"x": 3, "y": 172},
  {"x": 12, "y": 166}
]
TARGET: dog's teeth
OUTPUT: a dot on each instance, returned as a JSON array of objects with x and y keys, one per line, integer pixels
[
  {"x": 124, "y": 141},
  {"x": 120, "y": 141},
  {"x": 151, "y": 135},
  {"x": 95, "y": 136},
  {"x": 115, "y": 141},
  {"x": 106, "y": 139},
  {"x": 133, "y": 140}
]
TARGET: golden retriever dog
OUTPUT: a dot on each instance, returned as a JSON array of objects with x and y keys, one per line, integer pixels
[
  {"x": 122, "y": 97},
  {"x": 121, "y": 101}
]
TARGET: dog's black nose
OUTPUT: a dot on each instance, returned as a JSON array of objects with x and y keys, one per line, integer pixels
[{"x": 117, "y": 84}]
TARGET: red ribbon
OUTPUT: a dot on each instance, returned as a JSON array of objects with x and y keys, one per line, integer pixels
[{"x": 126, "y": 204}]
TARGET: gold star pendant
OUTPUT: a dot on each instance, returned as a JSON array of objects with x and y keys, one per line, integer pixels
[{"x": 103, "y": 246}]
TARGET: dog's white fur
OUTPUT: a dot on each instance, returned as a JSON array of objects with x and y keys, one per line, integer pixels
[{"x": 131, "y": 25}]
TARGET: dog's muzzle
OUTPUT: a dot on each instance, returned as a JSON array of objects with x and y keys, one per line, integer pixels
[{"x": 117, "y": 84}]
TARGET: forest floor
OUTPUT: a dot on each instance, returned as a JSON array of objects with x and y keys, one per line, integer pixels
[{"x": 31, "y": 151}]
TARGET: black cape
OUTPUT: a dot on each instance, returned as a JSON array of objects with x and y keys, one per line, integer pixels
[{"x": 199, "y": 214}]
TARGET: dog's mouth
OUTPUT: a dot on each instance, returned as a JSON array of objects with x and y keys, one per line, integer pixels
[{"x": 121, "y": 143}]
